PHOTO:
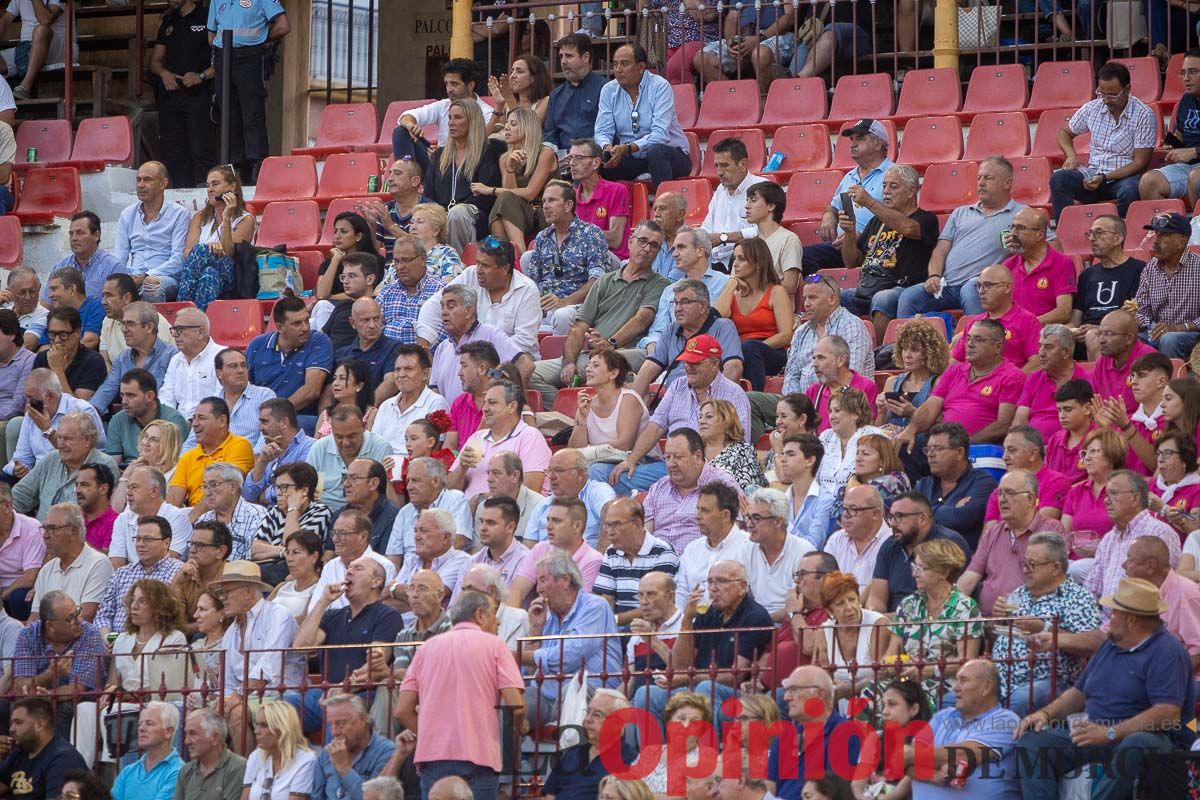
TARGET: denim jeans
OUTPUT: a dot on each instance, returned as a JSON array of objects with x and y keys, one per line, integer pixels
[
  {"x": 165, "y": 292},
  {"x": 1174, "y": 345},
  {"x": 641, "y": 480},
  {"x": 1066, "y": 187},
  {"x": 1121, "y": 765},
  {"x": 484, "y": 781},
  {"x": 663, "y": 162},
  {"x": 6, "y": 200},
  {"x": 915, "y": 300}
]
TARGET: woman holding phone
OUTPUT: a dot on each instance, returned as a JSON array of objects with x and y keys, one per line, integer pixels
[
  {"x": 214, "y": 231},
  {"x": 921, "y": 349}
]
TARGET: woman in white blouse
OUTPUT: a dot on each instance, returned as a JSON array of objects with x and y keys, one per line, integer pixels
[
  {"x": 281, "y": 768},
  {"x": 849, "y": 413}
]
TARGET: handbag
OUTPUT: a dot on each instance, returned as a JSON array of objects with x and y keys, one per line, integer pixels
[
  {"x": 278, "y": 275},
  {"x": 812, "y": 27},
  {"x": 978, "y": 27},
  {"x": 1126, "y": 24}
]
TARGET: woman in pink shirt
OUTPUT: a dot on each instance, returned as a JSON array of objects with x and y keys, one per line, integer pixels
[
  {"x": 1103, "y": 453},
  {"x": 1175, "y": 487}
]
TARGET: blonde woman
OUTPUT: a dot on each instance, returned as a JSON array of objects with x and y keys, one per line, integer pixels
[
  {"x": 158, "y": 447},
  {"x": 724, "y": 447},
  {"x": 466, "y": 161},
  {"x": 282, "y": 765},
  {"x": 613, "y": 788},
  {"x": 682, "y": 709},
  {"x": 428, "y": 228},
  {"x": 214, "y": 230},
  {"x": 524, "y": 169}
]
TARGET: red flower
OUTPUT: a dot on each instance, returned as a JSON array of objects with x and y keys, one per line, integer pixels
[{"x": 440, "y": 420}]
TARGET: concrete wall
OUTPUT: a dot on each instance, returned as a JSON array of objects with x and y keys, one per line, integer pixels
[{"x": 414, "y": 41}]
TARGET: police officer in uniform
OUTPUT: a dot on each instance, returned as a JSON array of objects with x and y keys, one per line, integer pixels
[
  {"x": 182, "y": 61},
  {"x": 255, "y": 25}
]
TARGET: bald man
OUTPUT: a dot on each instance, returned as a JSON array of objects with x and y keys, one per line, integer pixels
[
  {"x": 452, "y": 788},
  {"x": 151, "y": 235},
  {"x": 192, "y": 373},
  {"x": 1022, "y": 330},
  {"x": 1043, "y": 278},
  {"x": 370, "y": 347},
  {"x": 1119, "y": 348},
  {"x": 1148, "y": 558},
  {"x": 808, "y": 693}
]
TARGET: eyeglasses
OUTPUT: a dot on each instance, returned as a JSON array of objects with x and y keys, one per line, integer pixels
[
  {"x": 1107, "y": 96},
  {"x": 987, "y": 286},
  {"x": 48, "y": 528},
  {"x": 931, "y": 449},
  {"x": 495, "y": 246},
  {"x": 284, "y": 487},
  {"x": 850, "y": 511},
  {"x": 1021, "y": 229},
  {"x": 348, "y": 478},
  {"x": 900, "y": 516},
  {"x": 613, "y": 524},
  {"x": 556, "y": 260},
  {"x": 1009, "y": 494},
  {"x": 1096, "y": 232},
  {"x": 801, "y": 574},
  {"x": 343, "y": 534},
  {"x": 56, "y": 335},
  {"x": 825, "y": 279},
  {"x": 647, "y": 242},
  {"x": 267, "y": 785},
  {"x": 1030, "y": 566},
  {"x": 723, "y": 581},
  {"x": 1163, "y": 452},
  {"x": 804, "y": 687},
  {"x": 633, "y": 117},
  {"x": 131, "y": 324},
  {"x": 175, "y": 330},
  {"x": 754, "y": 519},
  {"x": 148, "y": 539},
  {"x": 209, "y": 486}
]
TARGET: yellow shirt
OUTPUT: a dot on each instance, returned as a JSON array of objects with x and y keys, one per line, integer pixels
[{"x": 189, "y": 473}]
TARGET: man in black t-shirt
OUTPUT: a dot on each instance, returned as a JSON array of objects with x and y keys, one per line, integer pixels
[
  {"x": 182, "y": 65},
  {"x": 1179, "y": 176},
  {"x": 893, "y": 250},
  {"x": 1106, "y": 285},
  {"x": 33, "y": 768}
]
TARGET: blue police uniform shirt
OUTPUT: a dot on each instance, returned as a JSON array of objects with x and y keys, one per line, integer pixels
[{"x": 249, "y": 20}]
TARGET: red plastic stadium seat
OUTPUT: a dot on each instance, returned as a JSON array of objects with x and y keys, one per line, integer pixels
[
  {"x": 102, "y": 141},
  {"x": 344, "y": 127},
  {"x": 552, "y": 346},
  {"x": 928, "y": 93},
  {"x": 284, "y": 178},
  {"x": 1142, "y": 211},
  {"x": 235, "y": 323},
  {"x": 391, "y": 118},
  {"x": 806, "y": 229},
  {"x": 948, "y": 186},
  {"x": 1074, "y": 221},
  {"x": 685, "y": 103},
  {"x": 1173, "y": 86},
  {"x": 470, "y": 254},
  {"x": 347, "y": 175},
  {"x": 804, "y": 147},
  {"x": 533, "y": 399},
  {"x": 931, "y": 140},
  {"x": 861, "y": 97},
  {"x": 51, "y": 137},
  {"x": 698, "y": 193},
  {"x": 841, "y": 152},
  {"x": 756, "y": 147},
  {"x": 809, "y": 194},
  {"x": 1002, "y": 133},
  {"x": 310, "y": 263},
  {"x": 793, "y": 101},
  {"x": 49, "y": 193},
  {"x": 1144, "y": 81},
  {"x": 1031, "y": 181},
  {"x": 567, "y": 400},
  {"x": 296, "y": 224},
  {"x": 727, "y": 104},
  {"x": 774, "y": 385},
  {"x": 11, "y": 250},
  {"x": 1000, "y": 87},
  {"x": 170, "y": 310},
  {"x": 695, "y": 153},
  {"x": 1060, "y": 84},
  {"x": 338, "y": 206},
  {"x": 1045, "y": 138},
  {"x": 639, "y": 201}
]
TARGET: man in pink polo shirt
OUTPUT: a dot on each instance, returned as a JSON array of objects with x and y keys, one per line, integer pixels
[
  {"x": 1075, "y": 420},
  {"x": 980, "y": 394},
  {"x": 1044, "y": 280},
  {"x": 603, "y": 203},
  {"x": 1025, "y": 449},
  {"x": 1021, "y": 328},
  {"x": 502, "y": 406},
  {"x": 566, "y": 521},
  {"x": 450, "y": 694},
  {"x": 1036, "y": 407},
  {"x": 831, "y": 363},
  {"x": 1119, "y": 348},
  {"x": 22, "y": 552}
]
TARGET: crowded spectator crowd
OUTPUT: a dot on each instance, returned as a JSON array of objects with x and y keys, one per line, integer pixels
[{"x": 522, "y": 460}]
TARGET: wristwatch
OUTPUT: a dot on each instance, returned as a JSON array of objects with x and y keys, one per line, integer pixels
[
  {"x": 724, "y": 238},
  {"x": 612, "y": 340},
  {"x": 1111, "y": 734}
]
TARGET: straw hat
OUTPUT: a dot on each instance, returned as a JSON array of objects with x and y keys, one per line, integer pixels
[
  {"x": 239, "y": 572},
  {"x": 1136, "y": 596}
]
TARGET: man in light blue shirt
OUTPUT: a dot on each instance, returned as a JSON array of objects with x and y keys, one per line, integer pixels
[
  {"x": 46, "y": 405},
  {"x": 356, "y": 753},
  {"x": 568, "y": 474},
  {"x": 153, "y": 776},
  {"x": 86, "y": 255},
  {"x": 427, "y": 489},
  {"x": 139, "y": 326},
  {"x": 243, "y": 398},
  {"x": 332, "y": 454},
  {"x": 692, "y": 249},
  {"x": 151, "y": 235},
  {"x": 282, "y": 442},
  {"x": 636, "y": 125}
]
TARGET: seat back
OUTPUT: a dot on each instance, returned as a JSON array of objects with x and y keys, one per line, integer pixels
[
  {"x": 1075, "y": 221},
  {"x": 284, "y": 178},
  {"x": 697, "y": 192},
  {"x": 727, "y": 104},
  {"x": 1173, "y": 85},
  {"x": 929, "y": 92},
  {"x": 347, "y": 125},
  {"x": 1144, "y": 80},
  {"x": 339, "y": 205},
  {"x": 928, "y": 140},
  {"x": 996, "y": 87},
  {"x": 695, "y": 152},
  {"x": 1061, "y": 84},
  {"x": 809, "y": 194},
  {"x": 1002, "y": 133},
  {"x": 793, "y": 101},
  {"x": 11, "y": 248},
  {"x": 1045, "y": 137},
  {"x": 948, "y": 186},
  {"x": 685, "y": 103},
  {"x": 102, "y": 141},
  {"x": 346, "y": 174},
  {"x": 804, "y": 147},
  {"x": 862, "y": 97},
  {"x": 310, "y": 265},
  {"x": 51, "y": 138},
  {"x": 1031, "y": 180},
  {"x": 235, "y": 323},
  {"x": 391, "y": 118},
  {"x": 756, "y": 147},
  {"x": 295, "y": 223},
  {"x": 49, "y": 193},
  {"x": 170, "y": 310},
  {"x": 1140, "y": 213}
]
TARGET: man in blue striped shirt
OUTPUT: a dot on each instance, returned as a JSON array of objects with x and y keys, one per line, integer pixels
[{"x": 632, "y": 554}]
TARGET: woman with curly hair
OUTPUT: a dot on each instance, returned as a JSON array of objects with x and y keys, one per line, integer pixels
[
  {"x": 922, "y": 352},
  {"x": 724, "y": 447}
]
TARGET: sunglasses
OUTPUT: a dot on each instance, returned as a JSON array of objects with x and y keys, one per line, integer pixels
[{"x": 634, "y": 119}]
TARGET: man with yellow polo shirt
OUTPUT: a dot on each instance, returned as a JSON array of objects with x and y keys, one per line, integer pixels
[{"x": 214, "y": 445}]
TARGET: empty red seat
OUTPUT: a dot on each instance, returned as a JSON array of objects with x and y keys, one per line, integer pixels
[
  {"x": 806, "y": 230},
  {"x": 49, "y": 193},
  {"x": 756, "y": 147},
  {"x": 1173, "y": 85},
  {"x": 567, "y": 400},
  {"x": 841, "y": 151},
  {"x": 348, "y": 175},
  {"x": 1075, "y": 221},
  {"x": 727, "y": 104},
  {"x": 235, "y": 323},
  {"x": 1144, "y": 80},
  {"x": 999, "y": 87},
  {"x": 391, "y": 118},
  {"x": 101, "y": 141},
  {"x": 11, "y": 250},
  {"x": 310, "y": 265},
  {"x": 1060, "y": 84},
  {"x": 1031, "y": 181},
  {"x": 51, "y": 137},
  {"x": 685, "y": 103},
  {"x": 804, "y": 148},
  {"x": 809, "y": 194},
  {"x": 170, "y": 310},
  {"x": 792, "y": 101},
  {"x": 930, "y": 140},
  {"x": 552, "y": 346},
  {"x": 844, "y": 278},
  {"x": 1140, "y": 213},
  {"x": 928, "y": 93},
  {"x": 344, "y": 127},
  {"x": 284, "y": 178},
  {"x": 639, "y": 201},
  {"x": 697, "y": 192},
  {"x": 1002, "y": 133},
  {"x": 948, "y": 186},
  {"x": 695, "y": 153},
  {"x": 1045, "y": 138},
  {"x": 861, "y": 97},
  {"x": 296, "y": 223}
]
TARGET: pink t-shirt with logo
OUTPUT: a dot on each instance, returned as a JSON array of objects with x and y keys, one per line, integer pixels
[
  {"x": 1052, "y": 493},
  {"x": 1038, "y": 291},
  {"x": 611, "y": 199},
  {"x": 1110, "y": 381},
  {"x": 1087, "y": 511},
  {"x": 1062, "y": 458},
  {"x": 1021, "y": 333},
  {"x": 975, "y": 404}
]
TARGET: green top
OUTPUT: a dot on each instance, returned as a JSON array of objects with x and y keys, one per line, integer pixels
[
  {"x": 613, "y": 300},
  {"x": 224, "y": 783},
  {"x": 49, "y": 483},
  {"x": 124, "y": 430}
]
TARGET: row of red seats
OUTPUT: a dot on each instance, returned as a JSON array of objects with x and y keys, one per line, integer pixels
[
  {"x": 351, "y": 127},
  {"x": 99, "y": 142}
]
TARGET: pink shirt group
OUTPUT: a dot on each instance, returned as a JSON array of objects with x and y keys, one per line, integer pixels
[
  {"x": 1111, "y": 381},
  {"x": 976, "y": 404},
  {"x": 1038, "y": 291},
  {"x": 1052, "y": 493},
  {"x": 1063, "y": 458},
  {"x": 22, "y": 550},
  {"x": 820, "y": 395},
  {"x": 1038, "y": 395},
  {"x": 1021, "y": 334},
  {"x": 1086, "y": 510},
  {"x": 611, "y": 199},
  {"x": 527, "y": 442},
  {"x": 587, "y": 558}
]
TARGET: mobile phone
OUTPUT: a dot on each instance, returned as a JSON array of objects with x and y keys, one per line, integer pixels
[
  {"x": 37, "y": 405},
  {"x": 1171, "y": 140},
  {"x": 897, "y": 397},
  {"x": 847, "y": 203}
]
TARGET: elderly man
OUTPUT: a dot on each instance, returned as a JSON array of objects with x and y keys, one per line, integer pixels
[
  {"x": 572, "y": 107},
  {"x": 1036, "y": 406},
  {"x": 717, "y": 510},
  {"x": 564, "y": 532},
  {"x": 1025, "y": 449},
  {"x": 772, "y": 556},
  {"x": 506, "y": 478},
  {"x": 1137, "y": 692},
  {"x": 214, "y": 772},
  {"x": 824, "y": 317},
  {"x": 831, "y": 368},
  {"x": 564, "y": 608},
  {"x": 140, "y": 405},
  {"x": 401, "y": 300},
  {"x": 693, "y": 316},
  {"x": 692, "y": 252},
  {"x": 52, "y": 479},
  {"x": 1021, "y": 327},
  {"x": 332, "y": 455},
  {"x": 45, "y": 407},
  {"x": 1043, "y": 278},
  {"x": 1107, "y": 283},
  {"x": 459, "y": 306},
  {"x": 995, "y": 568},
  {"x": 146, "y": 490},
  {"x": 154, "y": 560},
  {"x": 21, "y": 297},
  {"x": 505, "y": 432},
  {"x": 427, "y": 489},
  {"x": 37, "y": 758},
  {"x": 355, "y": 754},
  {"x": 1149, "y": 559},
  {"x": 580, "y": 769},
  {"x": 119, "y": 291},
  {"x": 293, "y": 361},
  {"x": 144, "y": 350},
  {"x": 569, "y": 255},
  {"x": 1124, "y": 134},
  {"x": 912, "y": 520},
  {"x": 243, "y": 398},
  {"x": 208, "y": 551},
  {"x": 1119, "y": 349},
  {"x": 631, "y": 554},
  {"x": 568, "y": 477},
  {"x": 670, "y": 210},
  {"x": 433, "y": 549},
  {"x": 671, "y": 501},
  {"x": 957, "y": 491},
  {"x": 514, "y": 622},
  {"x": 680, "y": 408},
  {"x": 893, "y": 250},
  {"x": 192, "y": 372},
  {"x": 23, "y": 553},
  {"x": 1168, "y": 310},
  {"x": 392, "y": 219},
  {"x": 864, "y": 530},
  {"x": 78, "y": 367},
  {"x": 424, "y": 620},
  {"x": 725, "y": 221},
  {"x": 72, "y": 565},
  {"x": 809, "y": 694},
  {"x": 604, "y": 204},
  {"x": 415, "y": 401},
  {"x": 215, "y": 444},
  {"x": 351, "y": 541},
  {"x": 223, "y": 503},
  {"x": 283, "y": 442}
]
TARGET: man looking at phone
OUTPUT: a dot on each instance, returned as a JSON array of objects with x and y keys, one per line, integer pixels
[{"x": 283, "y": 442}]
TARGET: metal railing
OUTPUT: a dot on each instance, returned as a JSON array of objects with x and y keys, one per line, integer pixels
[{"x": 345, "y": 41}]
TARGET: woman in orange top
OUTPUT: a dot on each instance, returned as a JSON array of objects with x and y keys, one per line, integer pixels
[{"x": 760, "y": 308}]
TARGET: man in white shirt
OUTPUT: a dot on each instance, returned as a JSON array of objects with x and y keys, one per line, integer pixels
[
  {"x": 72, "y": 565},
  {"x": 506, "y": 299},
  {"x": 433, "y": 550},
  {"x": 192, "y": 374},
  {"x": 460, "y": 76},
  {"x": 21, "y": 296},
  {"x": 351, "y": 541},
  {"x": 415, "y": 401},
  {"x": 726, "y": 218},
  {"x": 514, "y": 622},
  {"x": 721, "y": 539},
  {"x": 146, "y": 492},
  {"x": 427, "y": 489},
  {"x": 772, "y": 555},
  {"x": 856, "y": 544}
]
